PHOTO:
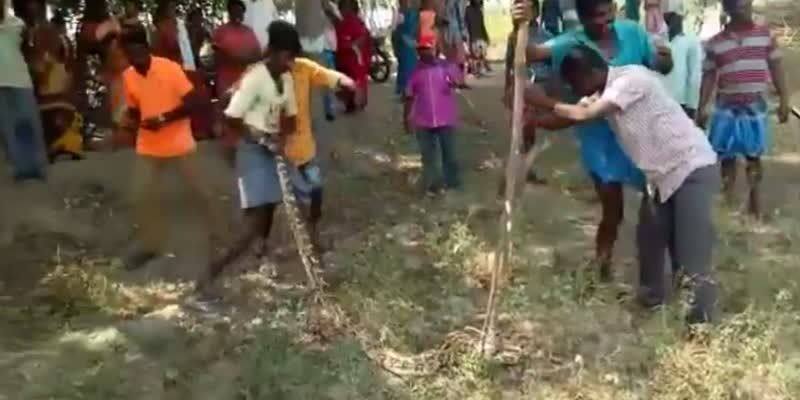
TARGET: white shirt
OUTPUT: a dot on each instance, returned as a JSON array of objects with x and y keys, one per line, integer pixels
[
  {"x": 654, "y": 130},
  {"x": 330, "y": 30},
  {"x": 12, "y": 64},
  {"x": 258, "y": 102},
  {"x": 258, "y": 15},
  {"x": 684, "y": 81}
]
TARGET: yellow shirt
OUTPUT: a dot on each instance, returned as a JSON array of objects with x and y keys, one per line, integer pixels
[{"x": 300, "y": 146}]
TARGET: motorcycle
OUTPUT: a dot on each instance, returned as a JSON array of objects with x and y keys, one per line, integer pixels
[{"x": 380, "y": 66}]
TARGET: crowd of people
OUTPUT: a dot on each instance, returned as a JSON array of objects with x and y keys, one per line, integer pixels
[
  {"x": 638, "y": 99},
  {"x": 77, "y": 80},
  {"x": 636, "y": 90}
]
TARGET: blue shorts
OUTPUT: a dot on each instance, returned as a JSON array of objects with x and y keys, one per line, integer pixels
[
  {"x": 604, "y": 159},
  {"x": 740, "y": 130},
  {"x": 257, "y": 177}
]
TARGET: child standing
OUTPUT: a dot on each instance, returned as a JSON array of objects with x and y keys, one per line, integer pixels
[
  {"x": 740, "y": 61},
  {"x": 430, "y": 109}
]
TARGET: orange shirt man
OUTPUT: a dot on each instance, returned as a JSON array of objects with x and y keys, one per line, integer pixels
[
  {"x": 157, "y": 92},
  {"x": 160, "y": 98}
]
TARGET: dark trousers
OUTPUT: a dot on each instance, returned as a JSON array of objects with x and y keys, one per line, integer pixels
[
  {"x": 433, "y": 143},
  {"x": 683, "y": 225}
]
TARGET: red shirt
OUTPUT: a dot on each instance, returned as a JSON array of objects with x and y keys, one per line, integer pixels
[{"x": 233, "y": 39}]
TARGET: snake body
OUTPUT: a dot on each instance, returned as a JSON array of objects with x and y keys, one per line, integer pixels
[{"x": 305, "y": 247}]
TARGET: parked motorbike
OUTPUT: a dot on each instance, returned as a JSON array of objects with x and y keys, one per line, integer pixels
[{"x": 380, "y": 67}]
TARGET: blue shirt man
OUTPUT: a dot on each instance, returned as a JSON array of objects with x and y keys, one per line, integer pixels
[{"x": 602, "y": 156}]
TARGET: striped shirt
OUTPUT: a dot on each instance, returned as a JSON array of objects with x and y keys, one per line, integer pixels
[
  {"x": 654, "y": 130},
  {"x": 741, "y": 58}
]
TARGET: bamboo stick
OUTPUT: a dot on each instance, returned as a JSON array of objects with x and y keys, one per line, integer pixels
[{"x": 504, "y": 243}]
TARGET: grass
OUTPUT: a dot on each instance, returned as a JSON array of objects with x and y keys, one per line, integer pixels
[
  {"x": 412, "y": 284},
  {"x": 407, "y": 286}
]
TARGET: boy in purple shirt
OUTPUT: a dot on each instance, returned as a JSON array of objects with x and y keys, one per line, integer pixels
[{"x": 431, "y": 111}]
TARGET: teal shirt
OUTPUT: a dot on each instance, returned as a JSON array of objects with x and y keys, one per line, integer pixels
[
  {"x": 601, "y": 153},
  {"x": 12, "y": 64}
]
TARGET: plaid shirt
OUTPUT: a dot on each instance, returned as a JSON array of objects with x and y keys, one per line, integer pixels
[{"x": 654, "y": 130}]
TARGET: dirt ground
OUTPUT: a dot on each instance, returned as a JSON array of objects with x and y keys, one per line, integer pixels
[{"x": 409, "y": 270}]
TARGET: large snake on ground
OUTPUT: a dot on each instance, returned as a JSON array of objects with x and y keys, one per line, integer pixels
[{"x": 308, "y": 254}]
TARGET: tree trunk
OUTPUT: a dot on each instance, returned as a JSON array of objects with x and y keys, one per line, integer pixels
[{"x": 310, "y": 19}]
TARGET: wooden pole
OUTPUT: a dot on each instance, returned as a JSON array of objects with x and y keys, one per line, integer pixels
[{"x": 502, "y": 254}]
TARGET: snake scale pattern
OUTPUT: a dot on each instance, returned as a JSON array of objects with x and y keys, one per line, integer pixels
[{"x": 311, "y": 261}]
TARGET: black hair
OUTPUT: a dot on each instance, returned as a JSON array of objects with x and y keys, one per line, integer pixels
[
  {"x": 674, "y": 22},
  {"x": 234, "y": 3},
  {"x": 354, "y": 3},
  {"x": 161, "y": 9},
  {"x": 585, "y": 8},
  {"x": 536, "y": 7},
  {"x": 59, "y": 18},
  {"x": 194, "y": 12},
  {"x": 283, "y": 36},
  {"x": 95, "y": 11},
  {"x": 134, "y": 36},
  {"x": 728, "y": 4},
  {"x": 582, "y": 60}
]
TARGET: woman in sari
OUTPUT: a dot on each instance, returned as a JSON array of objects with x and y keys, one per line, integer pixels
[
  {"x": 100, "y": 63},
  {"x": 353, "y": 53},
  {"x": 50, "y": 64},
  {"x": 405, "y": 44},
  {"x": 171, "y": 40}
]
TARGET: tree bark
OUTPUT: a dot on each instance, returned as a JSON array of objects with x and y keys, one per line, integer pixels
[{"x": 310, "y": 19}]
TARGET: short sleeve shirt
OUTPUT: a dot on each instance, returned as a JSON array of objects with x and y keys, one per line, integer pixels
[
  {"x": 232, "y": 38},
  {"x": 654, "y": 130},
  {"x": 742, "y": 61},
  {"x": 433, "y": 96},
  {"x": 300, "y": 147},
  {"x": 633, "y": 45},
  {"x": 258, "y": 101},
  {"x": 15, "y": 71},
  {"x": 160, "y": 91}
]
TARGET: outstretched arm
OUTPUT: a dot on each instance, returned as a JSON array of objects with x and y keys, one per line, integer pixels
[
  {"x": 594, "y": 110},
  {"x": 536, "y": 97}
]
